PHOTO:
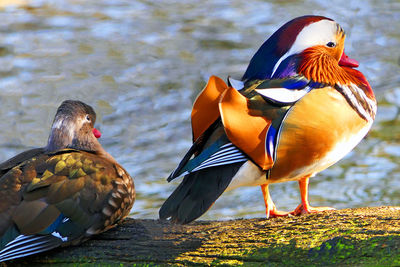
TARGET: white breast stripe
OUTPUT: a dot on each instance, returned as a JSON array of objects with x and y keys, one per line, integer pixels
[
  {"x": 352, "y": 92},
  {"x": 284, "y": 95}
]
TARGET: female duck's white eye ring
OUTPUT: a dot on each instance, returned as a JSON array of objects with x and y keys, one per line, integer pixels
[{"x": 88, "y": 118}]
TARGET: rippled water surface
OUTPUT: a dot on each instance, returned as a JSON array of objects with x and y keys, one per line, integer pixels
[{"x": 140, "y": 64}]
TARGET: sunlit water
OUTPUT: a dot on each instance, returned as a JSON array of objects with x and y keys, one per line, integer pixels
[{"x": 140, "y": 64}]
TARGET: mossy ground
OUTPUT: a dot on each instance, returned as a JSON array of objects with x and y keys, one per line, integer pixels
[
  {"x": 351, "y": 237},
  {"x": 348, "y": 237}
]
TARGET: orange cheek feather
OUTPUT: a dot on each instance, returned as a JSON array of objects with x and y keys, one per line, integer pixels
[{"x": 319, "y": 64}]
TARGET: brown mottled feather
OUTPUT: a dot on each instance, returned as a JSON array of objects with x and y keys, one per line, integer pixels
[{"x": 81, "y": 190}]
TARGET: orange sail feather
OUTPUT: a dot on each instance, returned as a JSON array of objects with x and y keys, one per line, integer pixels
[{"x": 244, "y": 130}]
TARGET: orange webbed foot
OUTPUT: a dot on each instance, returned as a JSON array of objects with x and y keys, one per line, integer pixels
[
  {"x": 304, "y": 207},
  {"x": 276, "y": 213},
  {"x": 301, "y": 209},
  {"x": 270, "y": 208}
]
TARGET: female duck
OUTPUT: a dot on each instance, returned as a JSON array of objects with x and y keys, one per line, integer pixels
[{"x": 63, "y": 193}]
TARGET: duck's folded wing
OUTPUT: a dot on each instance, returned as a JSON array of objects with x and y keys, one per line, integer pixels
[
  {"x": 205, "y": 119},
  {"x": 14, "y": 161},
  {"x": 245, "y": 131},
  {"x": 25, "y": 245},
  {"x": 71, "y": 195},
  {"x": 251, "y": 116}
]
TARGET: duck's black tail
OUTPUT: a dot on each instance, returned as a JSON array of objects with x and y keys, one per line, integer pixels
[{"x": 197, "y": 193}]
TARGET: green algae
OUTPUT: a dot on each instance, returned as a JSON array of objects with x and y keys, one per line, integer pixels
[
  {"x": 350, "y": 241},
  {"x": 351, "y": 237}
]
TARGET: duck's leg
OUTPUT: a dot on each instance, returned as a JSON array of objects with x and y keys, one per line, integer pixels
[
  {"x": 304, "y": 207},
  {"x": 270, "y": 208}
]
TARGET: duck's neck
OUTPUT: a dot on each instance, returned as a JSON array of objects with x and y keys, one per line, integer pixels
[
  {"x": 62, "y": 137},
  {"x": 351, "y": 83},
  {"x": 58, "y": 139}
]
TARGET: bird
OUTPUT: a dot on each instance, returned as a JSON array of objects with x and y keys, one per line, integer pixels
[
  {"x": 63, "y": 193},
  {"x": 300, "y": 107}
]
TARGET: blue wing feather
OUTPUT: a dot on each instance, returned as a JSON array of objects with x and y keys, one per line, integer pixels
[
  {"x": 53, "y": 226},
  {"x": 295, "y": 83},
  {"x": 271, "y": 141}
]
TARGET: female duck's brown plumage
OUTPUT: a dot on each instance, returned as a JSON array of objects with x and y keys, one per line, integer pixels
[{"x": 63, "y": 193}]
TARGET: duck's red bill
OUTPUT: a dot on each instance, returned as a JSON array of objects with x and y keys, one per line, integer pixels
[
  {"x": 96, "y": 133},
  {"x": 348, "y": 62}
]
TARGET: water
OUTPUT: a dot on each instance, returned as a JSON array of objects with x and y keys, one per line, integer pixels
[{"x": 140, "y": 64}]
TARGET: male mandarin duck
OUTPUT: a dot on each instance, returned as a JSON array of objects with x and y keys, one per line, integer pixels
[
  {"x": 63, "y": 193},
  {"x": 299, "y": 108}
]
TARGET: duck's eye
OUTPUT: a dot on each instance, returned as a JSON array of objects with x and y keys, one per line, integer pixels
[
  {"x": 88, "y": 118},
  {"x": 331, "y": 44}
]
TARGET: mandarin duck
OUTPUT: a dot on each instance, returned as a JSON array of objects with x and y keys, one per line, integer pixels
[
  {"x": 63, "y": 193},
  {"x": 299, "y": 108}
]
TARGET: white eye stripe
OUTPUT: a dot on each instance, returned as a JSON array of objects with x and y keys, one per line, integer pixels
[{"x": 318, "y": 33}]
